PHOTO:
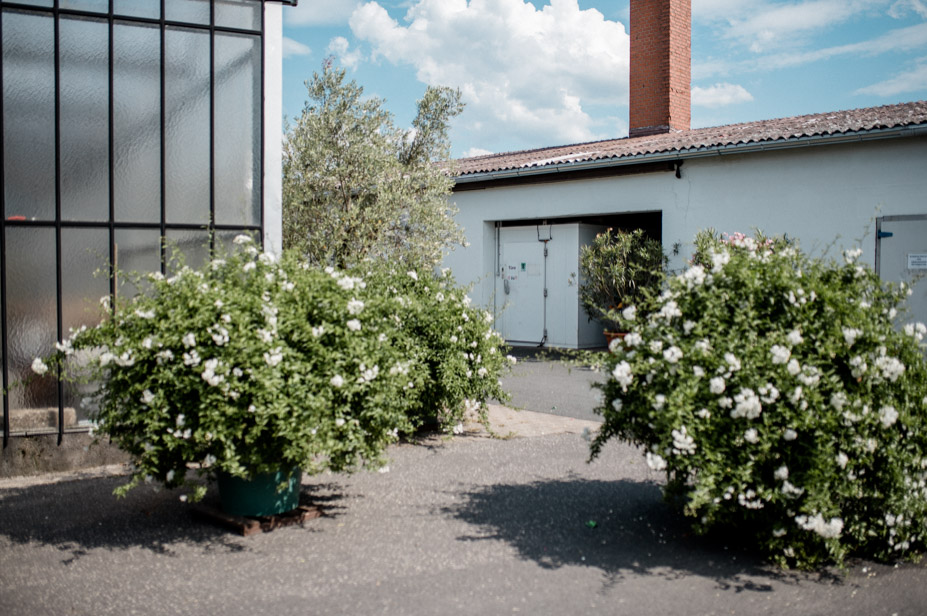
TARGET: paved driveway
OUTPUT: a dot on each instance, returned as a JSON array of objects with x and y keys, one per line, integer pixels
[{"x": 469, "y": 525}]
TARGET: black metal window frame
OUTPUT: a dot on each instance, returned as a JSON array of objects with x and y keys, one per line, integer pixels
[{"x": 112, "y": 225}]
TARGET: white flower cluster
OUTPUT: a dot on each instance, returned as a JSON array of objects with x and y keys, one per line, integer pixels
[
  {"x": 719, "y": 260},
  {"x": 355, "y": 306},
  {"x": 694, "y": 276},
  {"x": 830, "y": 529},
  {"x": 655, "y": 462},
  {"x": 850, "y": 334},
  {"x": 916, "y": 330},
  {"x": 780, "y": 354},
  {"x": 368, "y": 374},
  {"x": 623, "y": 375},
  {"x": 746, "y": 404},
  {"x": 683, "y": 443},
  {"x": 750, "y": 500},
  {"x": 273, "y": 357},
  {"x": 889, "y": 367},
  {"x": 850, "y": 256},
  {"x": 39, "y": 366}
]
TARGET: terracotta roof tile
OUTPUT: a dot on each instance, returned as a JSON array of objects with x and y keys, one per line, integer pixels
[{"x": 765, "y": 131}]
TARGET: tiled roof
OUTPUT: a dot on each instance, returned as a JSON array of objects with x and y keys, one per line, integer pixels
[{"x": 765, "y": 131}]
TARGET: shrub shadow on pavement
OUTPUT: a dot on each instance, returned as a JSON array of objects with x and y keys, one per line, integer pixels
[
  {"x": 76, "y": 517},
  {"x": 624, "y": 528}
]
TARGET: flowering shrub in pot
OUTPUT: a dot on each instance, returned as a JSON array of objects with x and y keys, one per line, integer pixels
[
  {"x": 245, "y": 367},
  {"x": 461, "y": 356},
  {"x": 616, "y": 271},
  {"x": 782, "y": 397}
]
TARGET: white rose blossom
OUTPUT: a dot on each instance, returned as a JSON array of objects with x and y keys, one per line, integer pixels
[
  {"x": 39, "y": 366},
  {"x": 623, "y": 375},
  {"x": 780, "y": 354},
  {"x": 672, "y": 354},
  {"x": 629, "y": 313}
]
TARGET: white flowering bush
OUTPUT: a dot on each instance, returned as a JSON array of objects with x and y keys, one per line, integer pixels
[
  {"x": 782, "y": 398},
  {"x": 246, "y": 366},
  {"x": 460, "y": 354}
]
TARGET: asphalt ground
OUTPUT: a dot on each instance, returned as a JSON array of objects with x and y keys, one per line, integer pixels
[
  {"x": 540, "y": 381},
  {"x": 463, "y": 525}
]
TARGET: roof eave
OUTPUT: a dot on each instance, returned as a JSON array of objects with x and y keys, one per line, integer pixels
[{"x": 701, "y": 152}]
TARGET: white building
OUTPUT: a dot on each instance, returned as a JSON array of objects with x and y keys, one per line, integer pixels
[{"x": 829, "y": 180}]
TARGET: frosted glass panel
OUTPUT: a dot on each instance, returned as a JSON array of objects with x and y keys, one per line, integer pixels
[
  {"x": 137, "y": 122},
  {"x": 187, "y": 139},
  {"x": 137, "y": 250},
  {"x": 194, "y": 245},
  {"x": 189, "y": 11},
  {"x": 243, "y": 14},
  {"x": 238, "y": 141},
  {"x": 31, "y": 320},
  {"x": 97, "y": 6},
  {"x": 84, "y": 49},
  {"x": 29, "y": 116},
  {"x": 138, "y": 8},
  {"x": 83, "y": 253}
]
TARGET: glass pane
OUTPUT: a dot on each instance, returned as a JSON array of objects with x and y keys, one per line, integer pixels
[
  {"x": 225, "y": 240},
  {"x": 84, "y": 49},
  {"x": 84, "y": 276},
  {"x": 137, "y": 122},
  {"x": 29, "y": 116},
  {"x": 96, "y": 6},
  {"x": 31, "y": 324},
  {"x": 189, "y": 11},
  {"x": 138, "y": 8},
  {"x": 187, "y": 131},
  {"x": 238, "y": 143},
  {"x": 83, "y": 253},
  {"x": 243, "y": 14},
  {"x": 137, "y": 251},
  {"x": 194, "y": 245}
]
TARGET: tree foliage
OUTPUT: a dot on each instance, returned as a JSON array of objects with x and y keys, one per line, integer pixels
[{"x": 355, "y": 186}]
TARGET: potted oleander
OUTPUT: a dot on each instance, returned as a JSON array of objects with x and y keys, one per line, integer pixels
[
  {"x": 616, "y": 271},
  {"x": 251, "y": 370}
]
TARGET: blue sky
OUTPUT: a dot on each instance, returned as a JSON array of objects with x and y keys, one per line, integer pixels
[{"x": 553, "y": 72}]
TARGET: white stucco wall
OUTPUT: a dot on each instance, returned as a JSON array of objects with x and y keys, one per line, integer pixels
[{"x": 819, "y": 195}]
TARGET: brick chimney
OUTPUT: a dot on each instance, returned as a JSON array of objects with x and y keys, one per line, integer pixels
[{"x": 661, "y": 37}]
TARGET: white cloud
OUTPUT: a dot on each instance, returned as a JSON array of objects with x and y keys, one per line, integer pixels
[
  {"x": 900, "y": 9},
  {"x": 912, "y": 81},
  {"x": 900, "y": 39},
  {"x": 340, "y": 47},
  {"x": 319, "y": 12},
  {"x": 293, "y": 47},
  {"x": 476, "y": 152},
  {"x": 524, "y": 72},
  {"x": 765, "y": 25},
  {"x": 720, "y": 95}
]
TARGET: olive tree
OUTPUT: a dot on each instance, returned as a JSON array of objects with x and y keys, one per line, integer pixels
[{"x": 355, "y": 186}]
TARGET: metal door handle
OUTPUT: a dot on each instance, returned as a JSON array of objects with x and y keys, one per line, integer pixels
[{"x": 505, "y": 285}]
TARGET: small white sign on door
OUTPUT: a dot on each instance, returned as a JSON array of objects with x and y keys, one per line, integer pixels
[{"x": 917, "y": 261}]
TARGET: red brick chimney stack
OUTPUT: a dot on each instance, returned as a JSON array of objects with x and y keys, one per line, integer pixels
[{"x": 661, "y": 37}]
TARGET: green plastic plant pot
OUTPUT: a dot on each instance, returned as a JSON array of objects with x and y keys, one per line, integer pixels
[{"x": 258, "y": 495}]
